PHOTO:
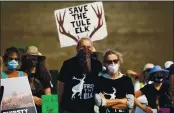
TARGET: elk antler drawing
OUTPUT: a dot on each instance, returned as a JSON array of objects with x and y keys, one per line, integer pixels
[
  {"x": 62, "y": 30},
  {"x": 100, "y": 22}
]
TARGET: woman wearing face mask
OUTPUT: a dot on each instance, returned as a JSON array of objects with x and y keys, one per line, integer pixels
[
  {"x": 11, "y": 62},
  {"x": 114, "y": 91},
  {"x": 156, "y": 92},
  {"x": 39, "y": 78}
]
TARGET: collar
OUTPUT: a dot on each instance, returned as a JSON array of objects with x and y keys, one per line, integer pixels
[{"x": 107, "y": 76}]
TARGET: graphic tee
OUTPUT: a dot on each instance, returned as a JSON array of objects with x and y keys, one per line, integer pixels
[
  {"x": 151, "y": 93},
  {"x": 114, "y": 88},
  {"x": 78, "y": 93}
]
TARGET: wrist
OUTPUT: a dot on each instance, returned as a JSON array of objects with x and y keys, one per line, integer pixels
[{"x": 144, "y": 108}]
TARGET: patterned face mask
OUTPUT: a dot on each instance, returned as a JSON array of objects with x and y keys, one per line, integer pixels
[{"x": 84, "y": 57}]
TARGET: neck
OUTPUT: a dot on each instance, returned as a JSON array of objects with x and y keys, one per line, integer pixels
[
  {"x": 33, "y": 70},
  {"x": 114, "y": 75},
  {"x": 10, "y": 71},
  {"x": 157, "y": 84}
]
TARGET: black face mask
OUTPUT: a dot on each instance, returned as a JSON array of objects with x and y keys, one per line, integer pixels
[
  {"x": 30, "y": 63},
  {"x": 84, "y": 58},
  {"x": 158, "y": 77}
]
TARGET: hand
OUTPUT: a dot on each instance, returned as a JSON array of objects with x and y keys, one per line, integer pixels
[
  {"x": 37, "y": 100},
  {"x": 147, "y": 109},
  {"x": 130, "y": 72}
]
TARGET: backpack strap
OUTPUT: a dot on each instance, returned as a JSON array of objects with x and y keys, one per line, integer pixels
[
  {"x": 3, "y": 75},
  {"x": 20, "y": 74}
]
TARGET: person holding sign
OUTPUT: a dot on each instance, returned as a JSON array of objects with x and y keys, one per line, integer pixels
[
  {"x": 39, "y": 78},
  {"x": 114, "y": 91},
  {"x": 76, "y": 80},
  {"x": 11, "y": 61}
]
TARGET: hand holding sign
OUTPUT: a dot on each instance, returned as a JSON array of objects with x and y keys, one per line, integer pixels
[{"x": 84, "y": 21}]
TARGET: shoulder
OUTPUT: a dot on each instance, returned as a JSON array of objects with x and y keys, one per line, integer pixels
[
  {"x": 70, "y": 61},
  {"x": 95, "y": 61},
  {"x": 126, "y": 78}
]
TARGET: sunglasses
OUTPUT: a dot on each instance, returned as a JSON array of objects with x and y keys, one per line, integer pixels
[
  {"x": 111, "y": 61},
  {"x": 31, "y": 57},
  {"x": 13, "y": 59}
]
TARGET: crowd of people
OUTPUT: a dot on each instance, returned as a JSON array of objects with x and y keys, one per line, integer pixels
[{"x": 86, "y": 85}]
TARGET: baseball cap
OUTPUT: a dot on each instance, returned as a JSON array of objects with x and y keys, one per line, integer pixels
[
  {"x": 167, "y": 64},
  {"x": 148, "y": 66}
]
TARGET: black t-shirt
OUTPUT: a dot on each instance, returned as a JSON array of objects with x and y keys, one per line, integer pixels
[
  {"x": 113, "y": 89},
  {"x": 151, "y": 94},
  {"x": 38, "y": 84},
  {"x": 78, "y": 93}
]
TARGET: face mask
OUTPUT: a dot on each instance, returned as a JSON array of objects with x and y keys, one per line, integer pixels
[
  {"x": 84, "y": 58},
  {"x": 113, "y": 68},
  {"x": 158, "y": 78},
  {"x": 12, "y": 64}
]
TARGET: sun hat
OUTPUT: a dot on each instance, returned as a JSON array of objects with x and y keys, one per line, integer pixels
[
  {"x": 158, "y": 69},
  {"x": 167, "y": 64},
  {"x": 148, "y": 66},
  {"x": 33, "y": 50}
]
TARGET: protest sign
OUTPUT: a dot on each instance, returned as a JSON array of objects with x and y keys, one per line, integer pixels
[
  {"x": 49, "y": 104},
  {"x": 17, "y": 97},
  {"x": 83, "y": 21}
]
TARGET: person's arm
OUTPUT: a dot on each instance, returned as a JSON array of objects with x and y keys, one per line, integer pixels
[
  {"x": 144, "y": 108},
  {"x": 61, "y": 80},
  {"x": 37, "y": 100},
  {"x": 102, "y": 101},
  {"x": 142, "y": 98},
  {"x": 114, "y": 102},
  {"x": 119, "y": 106},
  {"x": 138, "y": 94},
  {"x": 60, "y": 90}
]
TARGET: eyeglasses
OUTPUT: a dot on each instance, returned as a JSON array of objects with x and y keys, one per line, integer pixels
[
  {"x": 13, "y": 59},
  {"x": 111, "y": 61}
]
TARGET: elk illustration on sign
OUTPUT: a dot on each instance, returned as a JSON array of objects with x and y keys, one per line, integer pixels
[
  {"x": 76, "y": 39},
  {"x": 84, "y": 21}
]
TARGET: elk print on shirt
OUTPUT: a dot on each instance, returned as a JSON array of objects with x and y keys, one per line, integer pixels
[
  {"x": 78, "y": 88},
  {"x": 112, "y": 96}
]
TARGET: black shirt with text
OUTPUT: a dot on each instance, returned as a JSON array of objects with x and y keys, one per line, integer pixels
[{"x": 78, "y": 96}]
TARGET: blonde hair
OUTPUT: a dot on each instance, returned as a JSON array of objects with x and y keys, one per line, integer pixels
[{"x": 109, "y": 52}]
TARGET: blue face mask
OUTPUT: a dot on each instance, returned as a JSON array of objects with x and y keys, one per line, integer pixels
[{"x": 12, "y": 64}]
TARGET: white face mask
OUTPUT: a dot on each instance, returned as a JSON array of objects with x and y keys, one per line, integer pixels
[{"x": 113, "y": 68}]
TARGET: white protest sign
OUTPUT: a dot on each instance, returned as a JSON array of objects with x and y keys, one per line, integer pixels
[
  {"x": 83, "y": 21},
  {"x": 17, "y": 97}
]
